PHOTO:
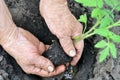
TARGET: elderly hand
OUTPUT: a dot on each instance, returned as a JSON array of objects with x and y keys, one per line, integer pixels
[
  {"x": 24, "y": 47},
  {"x": 64, "y": 25},
  {"x": 27, "y": 51}
]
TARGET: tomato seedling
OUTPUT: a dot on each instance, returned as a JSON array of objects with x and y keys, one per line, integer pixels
[{"x": 105, "y": 20}]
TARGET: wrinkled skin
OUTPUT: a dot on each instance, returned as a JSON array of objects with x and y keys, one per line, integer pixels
[
  {"x": 64, "y": 25},
  {"x": 27, "y": 49},
  {"x": 24, "y": 47}
]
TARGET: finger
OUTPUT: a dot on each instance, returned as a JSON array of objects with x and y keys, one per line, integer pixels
[
  {"x": 75, "y": 60},
  {"x": 30, "y": 69},
  {"x": 57, "y": 71},
  {"x": 41, "y": 47},
  {"x": 33, "y": 69},
  {"x": 79, "y": 47},
  {"x": 44, "y": 63},
  {"x": 67, "y": 44},
  {"x": 77, "y": 31},
  {"x": 67, "y": 64},
  {"x": 47, "y": 47}
]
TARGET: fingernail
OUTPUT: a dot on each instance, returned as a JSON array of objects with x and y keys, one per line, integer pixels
[
  {"x": 72, "y": 53},
  {"x": 50, "y": 68}
]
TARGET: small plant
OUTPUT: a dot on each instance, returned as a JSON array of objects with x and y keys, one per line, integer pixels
[{"x": 104, "y": 22}]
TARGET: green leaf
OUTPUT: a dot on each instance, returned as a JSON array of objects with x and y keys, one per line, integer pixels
[
  {"x": 98, "y": 13},
  {"x": 117, "y": 8},
  {"x": 110, "y": 3},
  {"x": 103, "y": 54},
  {"x": 113, "y": 50},
  {"x": 79, "y": 1},
  {"x": 99, "y": 3},
  {"x": 106, "y": 21},
  {"x": 113, "y": 3},
  {"x": 109, "y": 13},
  {"x": 108, "y": 34},
  {"x": 115, "y": 38},
  {"x": 101, "y": 44},
  {"x": 102, "y": 32},
  {"x": 91, "y": 3},
  {"x": 83, "y": 18}
]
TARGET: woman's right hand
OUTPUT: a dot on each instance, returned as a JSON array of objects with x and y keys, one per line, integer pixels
[
  {"x": 24, "y": 47},
  {"x": 27, "y": 51}
]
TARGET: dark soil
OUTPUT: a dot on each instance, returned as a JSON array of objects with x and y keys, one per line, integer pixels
[
  {"x": 26, "y": 15},
  {"x": 56, "y": 54}
]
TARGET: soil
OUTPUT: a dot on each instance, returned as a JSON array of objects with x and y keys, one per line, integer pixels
[
  {"x": 56, "y": 54},
  {"x": 26, "y": 15}
]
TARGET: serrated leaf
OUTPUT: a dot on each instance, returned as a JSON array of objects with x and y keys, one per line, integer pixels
[
  {"x": 109, "y": 13},
  {"x": 103, "y": 32},
  {"x": 109, "y": 2},
  {"x": 108, "y": 34},
  {"x": 106, "y": 21},
  {"x": 100, "y": 3},
  {"x": 98, "y": 13},
  {"x": 115, "y": 38},
  {"x": 91, "y": 3},
  {"x": 83, "y": 18},
  {"x": 113, "y": 3},
  {"x": 113, "y": 50},
  {"x": 101, "y": 44},
  {"x": 79, "y": 1},
  {"x": 117, "y": 8},
  {"x": 103, "y": 54}
]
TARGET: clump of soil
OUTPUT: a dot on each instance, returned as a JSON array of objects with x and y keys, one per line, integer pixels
[{"x": 56, "y": 54}]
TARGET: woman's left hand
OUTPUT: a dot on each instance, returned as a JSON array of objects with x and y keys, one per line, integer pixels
[{"x": 64, "y": 25}]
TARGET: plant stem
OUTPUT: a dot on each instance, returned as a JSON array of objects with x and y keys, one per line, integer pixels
[
  {"x": 88, "y": 33},
  {"x": 84, "y": 37},
  {"x": 91, "y": 34},
  {"x": 114, "y": 25},
  {"x": 85, "y": 28},
  {"x": 97, "y": 23}
]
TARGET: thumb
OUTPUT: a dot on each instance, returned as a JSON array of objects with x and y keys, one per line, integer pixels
[
  {"x": 67, "y": 44},
  {"x": 44, "y": 63}
]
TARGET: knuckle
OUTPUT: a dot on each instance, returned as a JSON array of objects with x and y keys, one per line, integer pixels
[
  {"x": 28, "y": 70},
  {"x": 63, "y": 34},
  {"x": 45, "y": 63},
  {"x": 60, "y": 35},
  {"x": 79, "y": 28},
  {"x": 68, "y": 45}
]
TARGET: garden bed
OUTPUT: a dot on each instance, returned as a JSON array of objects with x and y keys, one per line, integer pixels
[{"x": 26, "y": 15}]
